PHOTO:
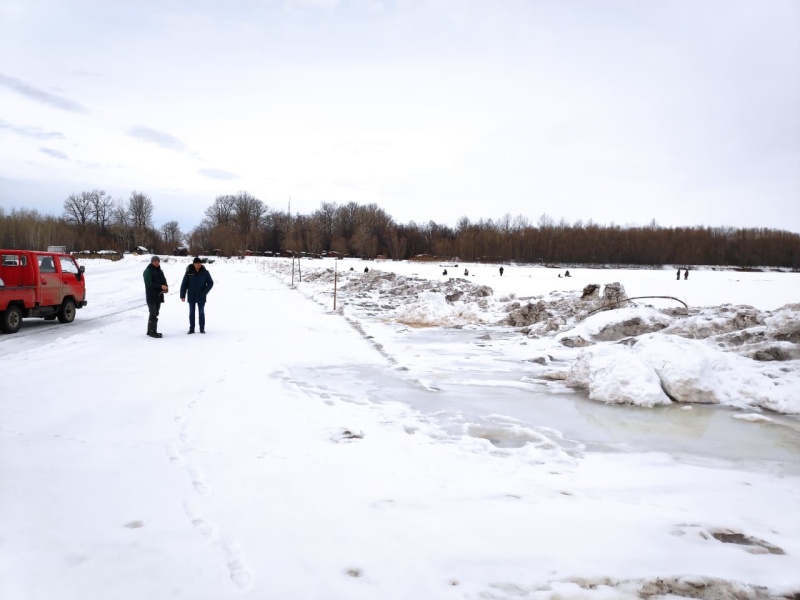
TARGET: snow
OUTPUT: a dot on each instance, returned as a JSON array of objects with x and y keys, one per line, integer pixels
[{"x": 432, "y": 437}]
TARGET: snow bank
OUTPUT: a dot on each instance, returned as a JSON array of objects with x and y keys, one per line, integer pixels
[{"x": 617, "y": 350}]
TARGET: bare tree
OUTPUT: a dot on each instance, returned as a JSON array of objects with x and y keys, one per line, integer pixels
[
  {"x": 102, "y": 210},
  {"x": 397, "y": 245},
  {"x": 78, "y": 211},
  {"x": 121, "y": 225},
  {"x": 140, "y": 216},
  {"x": 248, "y": 217},
  {"x": 199, "y": 240},
  {"x": 221, "y": 212},
  {"x": 325, "y": 218},
  {"x": 140, "y": 210},
  {"x": 171, "y": 233}
]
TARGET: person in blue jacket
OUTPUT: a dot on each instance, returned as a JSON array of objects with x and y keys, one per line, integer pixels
[{"x": 196, "y": 284}]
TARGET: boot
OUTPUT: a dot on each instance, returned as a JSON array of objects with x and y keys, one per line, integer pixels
[{"x": 151, "y": 328}]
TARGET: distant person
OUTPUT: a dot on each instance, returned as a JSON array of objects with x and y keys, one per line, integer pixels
[
  {"x": 686, "y": 275},
  {"x": 501, "y": 271},
  {"x": 466, "y": 272},
  {"x": 567, "y": 274},
  {"x": 196, "y": 284},
  {"x": 155, "y": 286},
  {"x": 679, "y": 275},
  {"x": 351, "y": 268},
  {"x": 444, "y": 272},
  {"x": 366, "y": 269}
]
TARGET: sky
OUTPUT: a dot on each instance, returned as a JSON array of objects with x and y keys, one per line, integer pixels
[
  {"x": 364, "y": 452},
  {"x": 621, "y": 112}
]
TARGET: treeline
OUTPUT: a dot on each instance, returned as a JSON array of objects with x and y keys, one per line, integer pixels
[{"x": 239, "y": 223}]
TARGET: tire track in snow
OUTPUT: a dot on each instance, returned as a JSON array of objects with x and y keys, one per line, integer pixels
[{"x": 34, "y": 331}]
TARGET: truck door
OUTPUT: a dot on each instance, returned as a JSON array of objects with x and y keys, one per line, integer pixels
[
  {"x": 50, "y": 281},
  {"x": 71, "y": 278}
]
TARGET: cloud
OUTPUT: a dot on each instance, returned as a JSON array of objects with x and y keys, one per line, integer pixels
[
  {"x": 54, "y": 153},
  {"x": 159, "y": 138},
  {"x": 217, "y": 174},
  {"x": 41, "y": 96},
  {"x": 31, "y": 132}
]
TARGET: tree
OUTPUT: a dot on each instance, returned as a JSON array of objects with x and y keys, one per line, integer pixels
[
  {"x": 102, "y": 210},
  {"x": 78, "y": 211},
  {"x": 248, "y": 217},
  {"x": 325, "y": 219},
  {"x": 140, "y": 217},
  {"x": 171, "y": 233},
  {"x": 221, "y": 212},
  {"x": 121, "y": 225}
]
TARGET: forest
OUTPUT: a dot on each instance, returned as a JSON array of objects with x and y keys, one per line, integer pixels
[{"x": 240, "y": 224}]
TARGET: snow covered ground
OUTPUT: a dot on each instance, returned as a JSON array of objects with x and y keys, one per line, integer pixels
[{"x": 435, "y": 436}]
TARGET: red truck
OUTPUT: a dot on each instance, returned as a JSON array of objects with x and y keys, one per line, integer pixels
[{"x": 47, "y": 285}]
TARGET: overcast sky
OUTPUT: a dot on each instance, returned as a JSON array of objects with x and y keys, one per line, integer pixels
[{"x": 686, "y": 112}]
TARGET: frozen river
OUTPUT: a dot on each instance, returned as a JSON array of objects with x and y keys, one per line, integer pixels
[
  {"x": 690, "y": 433},
  {"x": 483, "y": 386}
]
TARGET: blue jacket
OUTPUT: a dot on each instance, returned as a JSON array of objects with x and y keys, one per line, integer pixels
[{"x": 197, "y": 282}]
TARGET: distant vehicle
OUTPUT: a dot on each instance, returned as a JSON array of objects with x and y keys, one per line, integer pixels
[{"x": 47, "y": 285}]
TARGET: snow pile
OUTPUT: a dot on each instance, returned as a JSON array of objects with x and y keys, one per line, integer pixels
[
  {"x": 618, "y": 351},
  {"x": 659, "y": 369},
  {"x": 421, "y": 302}
]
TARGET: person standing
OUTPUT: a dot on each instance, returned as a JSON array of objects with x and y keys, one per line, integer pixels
[
  {"x": 686, "y": 274},
  {"x": 501, "y": 271},
  {"x": 679, "y": 275},
  {"x": 197, "y": 282},
  {"x": 155, "y": 286}
]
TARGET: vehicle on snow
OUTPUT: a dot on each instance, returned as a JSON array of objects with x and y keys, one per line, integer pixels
[{"x": 47, "y": 285}]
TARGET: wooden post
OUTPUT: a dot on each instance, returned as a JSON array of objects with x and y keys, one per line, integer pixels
[
  {"x": 335, "y": 277},
  {"x": 292, "y": 269},
  {"x": 299, "y": 270}
]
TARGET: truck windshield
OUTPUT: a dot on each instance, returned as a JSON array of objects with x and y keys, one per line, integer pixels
[{"x": 68, "y": 265}]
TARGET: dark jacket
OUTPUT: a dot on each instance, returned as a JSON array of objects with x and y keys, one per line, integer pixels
[
  {"x": 153, "y": 280},
  {"x": 196, "y": 283}
]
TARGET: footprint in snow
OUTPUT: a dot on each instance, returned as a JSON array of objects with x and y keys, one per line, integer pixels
[
  {"x": 234, "y": 558},
  {"x": 198, "y": 482},
  {"x": 206, "y": 528},
  {"x": 175, "y": 456}
]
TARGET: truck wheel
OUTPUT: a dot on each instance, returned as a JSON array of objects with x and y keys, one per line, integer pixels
[
  {"x": 66, "y": 314},
  {"x": 11, "y": 320}
]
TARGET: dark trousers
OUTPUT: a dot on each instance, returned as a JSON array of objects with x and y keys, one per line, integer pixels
[
  {"x": 152, "y": 320},
  {"x": 154, "y": 307},
  {"x": 201, "y": 311}
]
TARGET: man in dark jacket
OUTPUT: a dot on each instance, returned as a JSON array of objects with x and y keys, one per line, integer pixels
[
  {"x": 155, "y": 285},
  {"x": 197, "y": 282}
]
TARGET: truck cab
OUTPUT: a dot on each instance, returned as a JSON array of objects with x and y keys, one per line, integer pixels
[{"x": 48, "y": 285}]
